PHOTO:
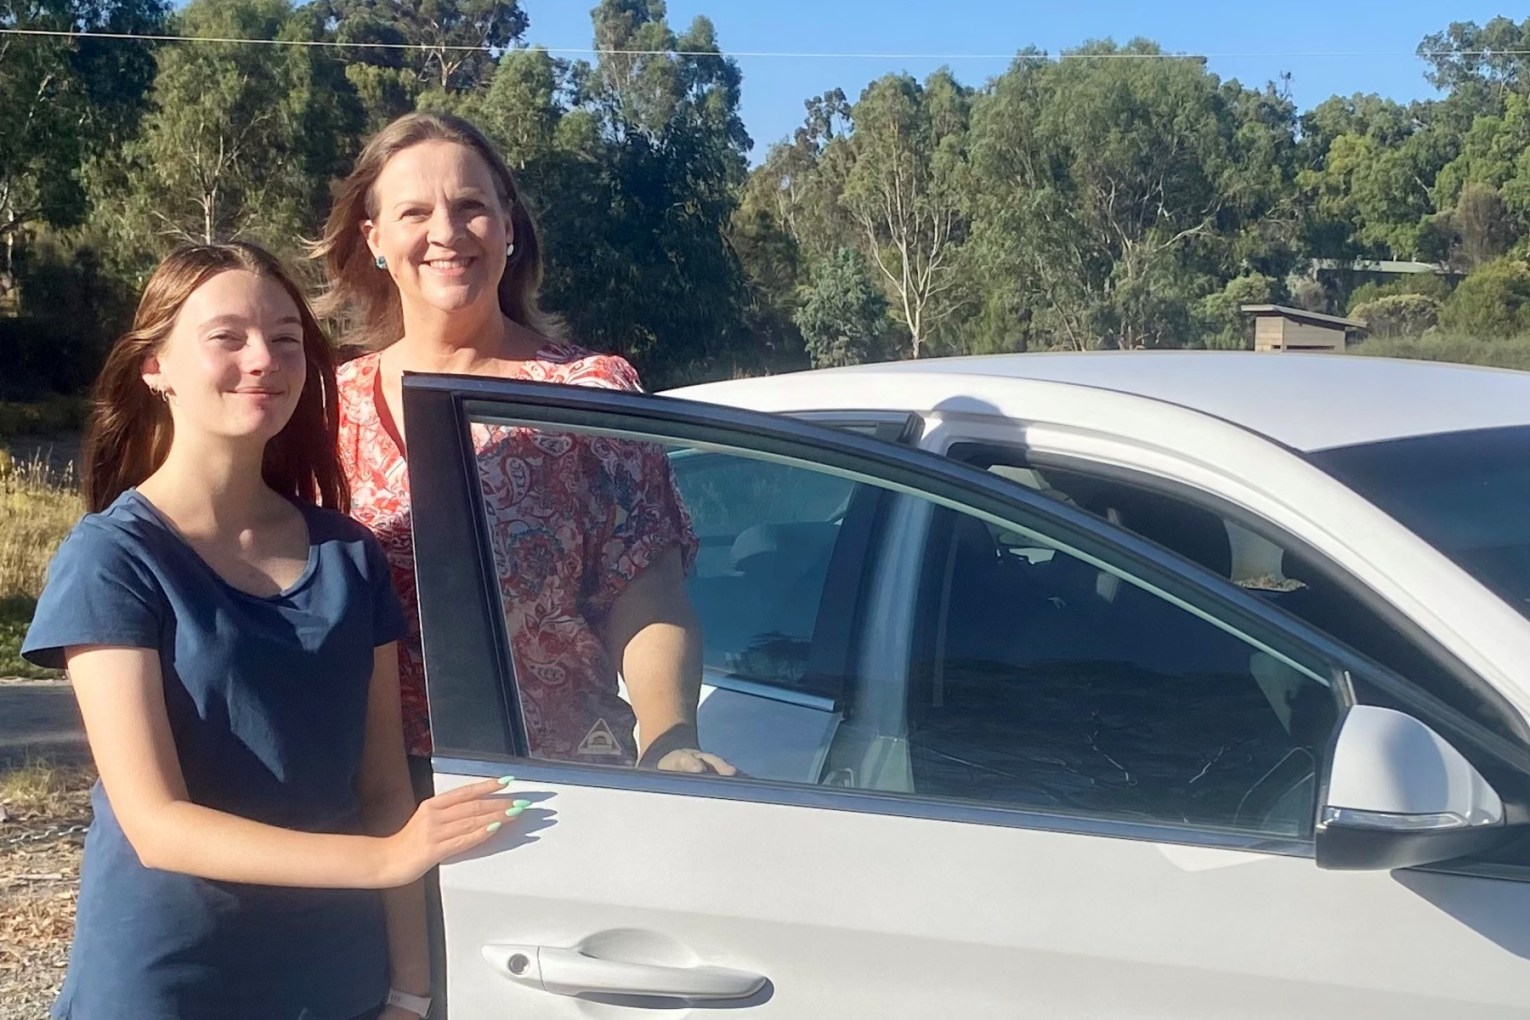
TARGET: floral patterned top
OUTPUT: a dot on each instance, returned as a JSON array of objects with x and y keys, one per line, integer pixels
[{"x": 574, "y": 518}]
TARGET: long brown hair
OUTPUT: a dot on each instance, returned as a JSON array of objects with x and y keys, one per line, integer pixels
[
  {"x": 364, "y": 296},
  {"x": 130, "y": 428}
]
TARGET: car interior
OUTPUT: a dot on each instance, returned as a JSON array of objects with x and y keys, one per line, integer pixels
[
  {"x": 1041, "y": 679},
  {"x": 1053, "y": 683},
  {"x": 768, "y": 535}
]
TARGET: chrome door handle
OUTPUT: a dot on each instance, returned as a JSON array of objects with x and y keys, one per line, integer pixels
[{"x": 573, "y": 972}]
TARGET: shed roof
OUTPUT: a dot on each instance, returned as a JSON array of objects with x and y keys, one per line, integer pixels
[{"x": 1301, "y": 315}]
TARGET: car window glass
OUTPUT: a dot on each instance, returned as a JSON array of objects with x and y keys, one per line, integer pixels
[
  {"x": 766, "y": 534},
  {"x": 1053, "y": 683},
  {"x": 1257, "y": 561},
  {"x": 858, "y": 636},
  {"x": 575, "y": 520},
  {"x": 1465, "y": 493}
]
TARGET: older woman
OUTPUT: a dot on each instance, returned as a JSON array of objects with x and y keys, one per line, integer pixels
[{"x": 434, "y": 257}]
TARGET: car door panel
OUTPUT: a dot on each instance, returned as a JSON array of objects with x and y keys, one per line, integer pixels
[
  {"x": 852, "y": 914},
  {"x": 856, "y": 903}
]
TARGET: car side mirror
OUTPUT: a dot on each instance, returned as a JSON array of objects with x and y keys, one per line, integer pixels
[{"x": 1399, "y": 795}]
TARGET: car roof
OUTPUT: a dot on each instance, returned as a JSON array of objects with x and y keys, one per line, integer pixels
[{"x": 1305, "y": 401}]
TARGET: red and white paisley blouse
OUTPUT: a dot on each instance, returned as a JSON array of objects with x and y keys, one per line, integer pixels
[{"x": 574, "y": 518}]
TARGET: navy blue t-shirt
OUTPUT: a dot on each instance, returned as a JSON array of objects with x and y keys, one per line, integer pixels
[{"x": 267, "y": 703}]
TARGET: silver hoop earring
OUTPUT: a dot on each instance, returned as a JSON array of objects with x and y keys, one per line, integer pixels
[
  {"x": 510, "y": 249},
  {"x": 380, "y": 262}
]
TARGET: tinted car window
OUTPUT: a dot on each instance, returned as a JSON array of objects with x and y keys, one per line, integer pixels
[
  {"x": 1264, "y": 562},
  {"x": 1052, "y": 683},
  {"x": 766, "y": 535},
  {"x": 1465, "y": 493}
]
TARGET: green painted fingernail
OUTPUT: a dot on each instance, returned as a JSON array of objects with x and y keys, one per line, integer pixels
[
  {"x": 520, "y": 803},
  {"x": 494, "y": 826},
  {"x": 512, "y": 812},
  {"x": 506, "y": 780}
]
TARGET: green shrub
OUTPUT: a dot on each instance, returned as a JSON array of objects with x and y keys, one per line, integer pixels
[
  {"x": 1398, "y": 315},
  {"x": 1427, "y": 284},
  {"x": 40, "y": 355},
  {"x": 1219, "y": 322},
  {"x": 1493, "y": 302}
]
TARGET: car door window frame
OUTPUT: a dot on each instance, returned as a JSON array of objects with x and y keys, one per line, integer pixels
[
  {"x": 902, "y": 427},
  {"x": 467, "y": 649}
]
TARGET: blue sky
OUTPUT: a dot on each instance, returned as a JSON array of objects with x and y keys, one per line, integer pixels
[{"x": 1328, "y": 47}]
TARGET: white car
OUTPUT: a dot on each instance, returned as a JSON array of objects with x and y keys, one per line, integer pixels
[{"x": 1190, "y": 685}]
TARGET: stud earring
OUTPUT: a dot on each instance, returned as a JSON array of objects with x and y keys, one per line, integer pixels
[
  {"x": 380, "y": 262},
  {"x": 510, "y": 249}
]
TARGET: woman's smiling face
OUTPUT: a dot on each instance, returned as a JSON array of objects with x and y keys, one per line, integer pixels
[{"x": 441, "y": 227}]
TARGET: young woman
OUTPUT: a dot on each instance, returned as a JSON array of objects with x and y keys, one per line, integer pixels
[
  {"x": 229, "y": 632},
  {"x": 432, "y": 254}
]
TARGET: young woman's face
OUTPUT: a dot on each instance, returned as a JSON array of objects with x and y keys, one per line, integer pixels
[
  {"x": 233, "y": 364},
  {"x": 440, "y": 226}
]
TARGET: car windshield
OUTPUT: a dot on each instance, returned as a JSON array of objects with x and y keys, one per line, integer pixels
[{"x": 1465, "y": 493}]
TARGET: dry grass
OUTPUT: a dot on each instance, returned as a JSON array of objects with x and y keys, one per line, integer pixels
[
  {"x": 38, "y": 506},
  {"x": 38, "y": 882},
  {"x": 41, "y": 789}
]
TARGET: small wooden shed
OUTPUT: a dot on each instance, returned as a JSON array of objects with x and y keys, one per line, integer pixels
[{"x": 1279, "y": 328}]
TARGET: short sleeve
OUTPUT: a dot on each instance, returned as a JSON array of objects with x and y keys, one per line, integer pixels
[
  {"x": 98, "y": 592},
  {"x": 635, "y": 515},
  {"x": 388, "y": 622},
  {"x": 602, "y": 372}
]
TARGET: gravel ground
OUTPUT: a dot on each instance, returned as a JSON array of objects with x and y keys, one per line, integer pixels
[{"x": 42, "y": 818}]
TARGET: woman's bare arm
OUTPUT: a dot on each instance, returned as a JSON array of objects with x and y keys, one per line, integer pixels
[{"x": 653, "y": 636}]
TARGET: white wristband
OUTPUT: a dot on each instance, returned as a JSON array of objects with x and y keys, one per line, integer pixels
[{"x": 416, "y": 1004}]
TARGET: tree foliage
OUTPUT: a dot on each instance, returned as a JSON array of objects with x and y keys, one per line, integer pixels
[
  {"x": 1494, "y": 301},
  {"x": 241, "y": 141},
  {"x": 843, "y": 317},
  {"x": 404, "y": 48},
  {"x": 1112, "y": 196},
  {"x": 1398, "y": 315},
  {"x": 64, "y": 100},
  {"x": 1113, "y": 193},
  {"x": 907, "y": 174}
]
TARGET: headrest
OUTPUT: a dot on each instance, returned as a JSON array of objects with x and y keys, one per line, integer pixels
[
  {"x": 795, "y": 544},
  {"x": 1195, "y": 533}
]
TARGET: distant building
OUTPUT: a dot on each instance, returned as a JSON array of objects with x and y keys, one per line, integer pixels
[
  {"x": 1278, "y": 328},
  {"x": 1384, "y": 266}
]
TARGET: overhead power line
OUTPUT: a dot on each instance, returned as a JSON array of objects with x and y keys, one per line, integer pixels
[{"x": 768, "y": 54}]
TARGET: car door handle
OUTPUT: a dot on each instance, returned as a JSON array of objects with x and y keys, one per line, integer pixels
[{"x": 574, "y": 972}]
